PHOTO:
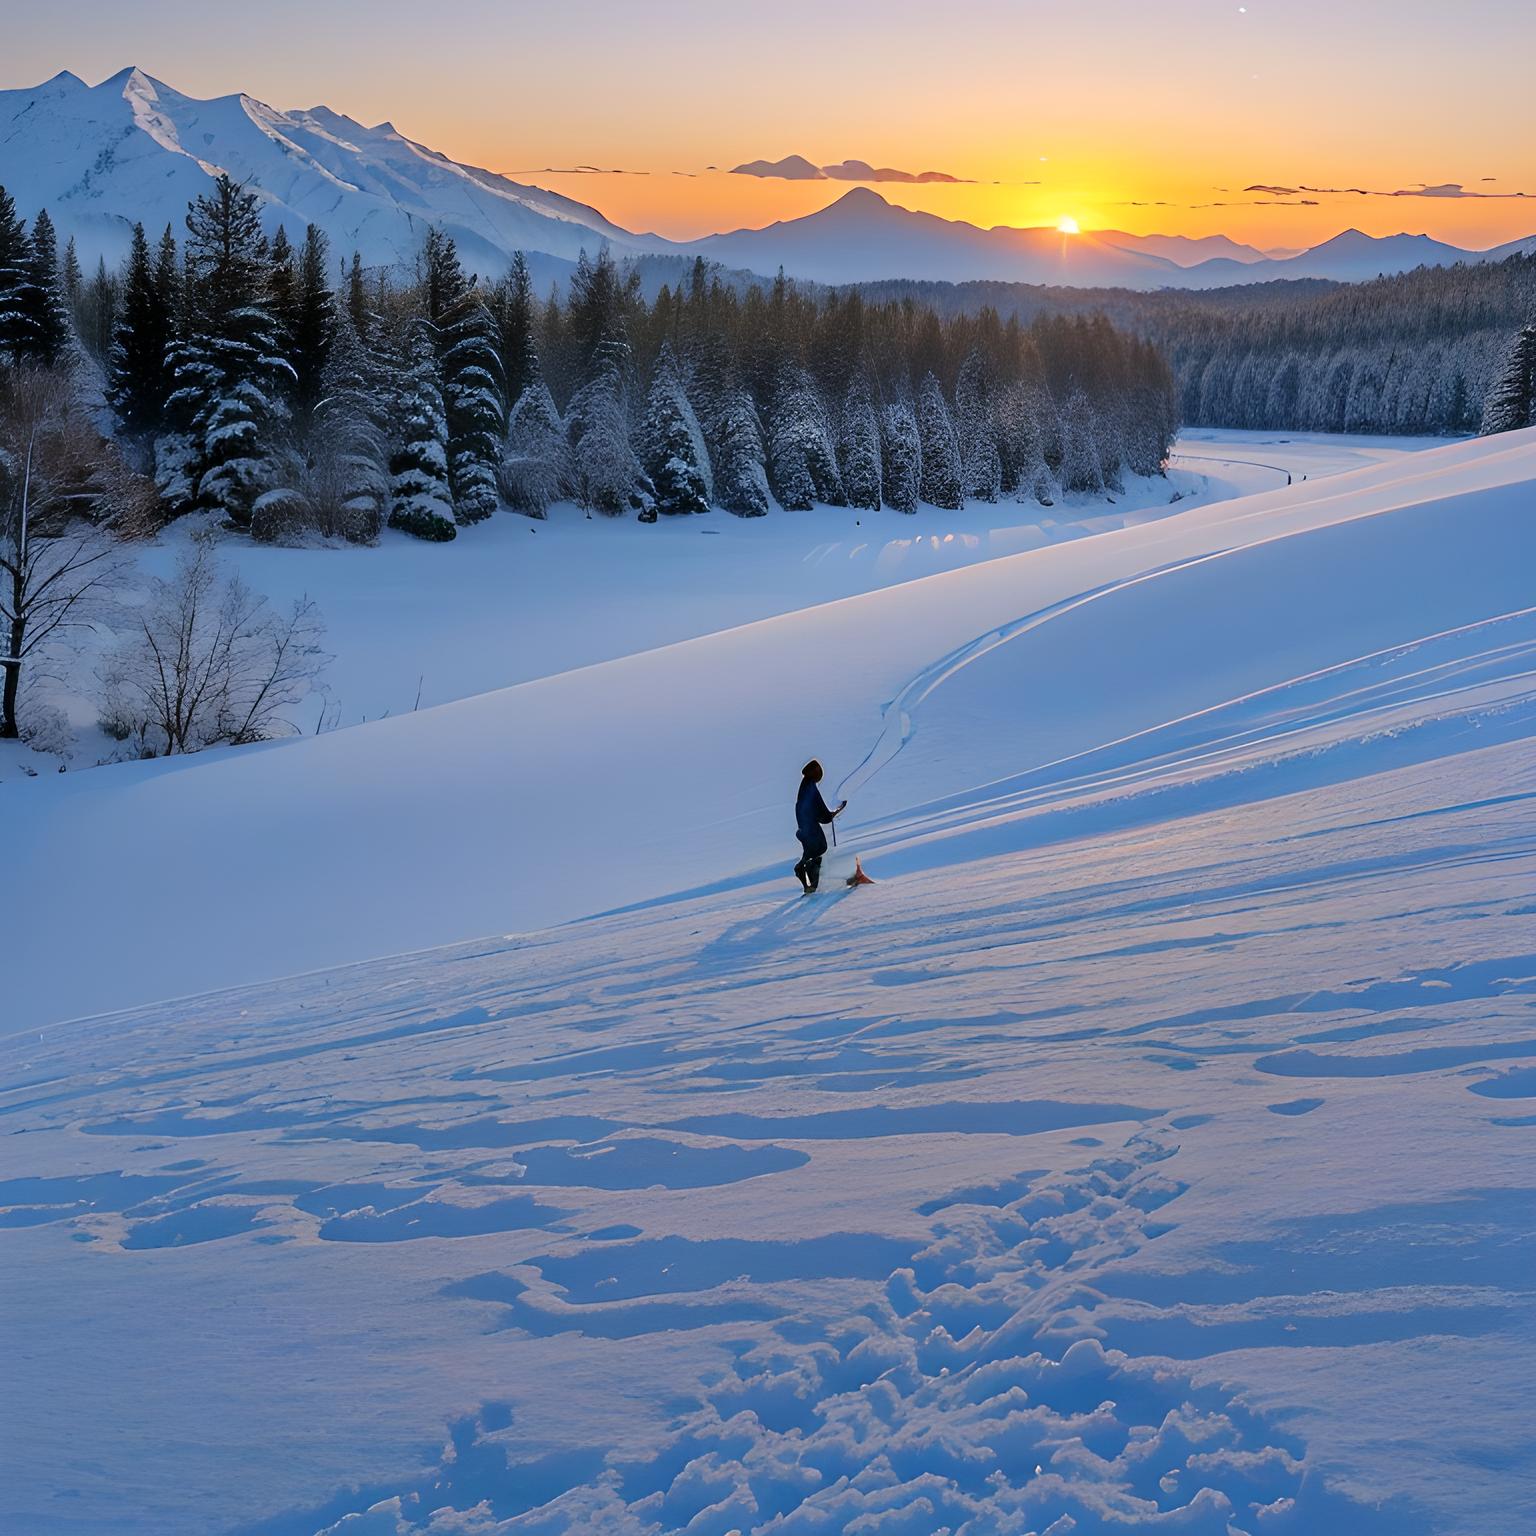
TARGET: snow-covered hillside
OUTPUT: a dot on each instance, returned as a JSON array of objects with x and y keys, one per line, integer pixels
[
  {"x": 132, "y": 149},
  {"x": 1147, "y": 1151},
  {"x": 499, "y": 803},
  {"x": 411, "y": 625}
]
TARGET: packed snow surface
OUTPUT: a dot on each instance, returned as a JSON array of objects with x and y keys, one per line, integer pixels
[{"x": 1147, "y": 1150}]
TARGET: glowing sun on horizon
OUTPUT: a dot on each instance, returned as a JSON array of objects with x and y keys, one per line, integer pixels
[{"x": 1068, "y": 225}]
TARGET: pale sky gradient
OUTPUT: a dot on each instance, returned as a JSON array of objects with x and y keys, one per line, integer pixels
[{"x": 1127, "y": 101}]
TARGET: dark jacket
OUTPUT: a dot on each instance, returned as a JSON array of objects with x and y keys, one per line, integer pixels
[{"x": 811, "y": 815}]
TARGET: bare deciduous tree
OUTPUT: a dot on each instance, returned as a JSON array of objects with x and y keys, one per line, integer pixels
[
  {"x": 208, "y": 662},
  {"x": 53, "y": 561}
]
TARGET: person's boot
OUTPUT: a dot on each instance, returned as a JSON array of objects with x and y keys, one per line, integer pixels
[
  {"x": 805, "y": 888},
  {"x": 812, "y": 876}
]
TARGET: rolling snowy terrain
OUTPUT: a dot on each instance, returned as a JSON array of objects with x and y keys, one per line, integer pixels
[
  {"x": 1146, "y": 1151},
  {"x": 412, "y": 625},
  {"x": 516, "y": 603}
]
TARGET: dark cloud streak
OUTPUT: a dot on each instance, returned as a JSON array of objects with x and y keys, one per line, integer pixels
[
  {"x": 574, "y": 170},
  {"x": 1446, "y": 189},
  {"x": 798, "y": 168}
]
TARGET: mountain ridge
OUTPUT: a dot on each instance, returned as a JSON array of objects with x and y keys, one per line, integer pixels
[{"x": 133, "y": 149}]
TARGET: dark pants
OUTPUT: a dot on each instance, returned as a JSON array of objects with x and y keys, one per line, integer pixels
[{"x": 809, "y": 867}]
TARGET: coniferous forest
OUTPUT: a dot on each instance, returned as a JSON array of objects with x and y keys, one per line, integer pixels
[
  {"x": 1419, "y": 352},
  {"x": 289, "y": 390}
]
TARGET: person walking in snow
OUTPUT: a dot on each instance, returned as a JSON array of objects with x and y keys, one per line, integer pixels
[{"x": 811, "y": 815}]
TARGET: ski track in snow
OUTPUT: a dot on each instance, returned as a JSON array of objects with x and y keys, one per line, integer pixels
[
  {"x": 1154, "y": 1156},
  {"x": 896, "y": 727}
]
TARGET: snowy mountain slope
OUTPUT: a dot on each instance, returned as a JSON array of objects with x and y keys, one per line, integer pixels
[
  {"x": 1148, "y": 1148},
  {"x": 131, "y": 148},
  {"x": 664, "y": 770}
]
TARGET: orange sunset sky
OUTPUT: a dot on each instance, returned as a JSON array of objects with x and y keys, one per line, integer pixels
[{"x": 1139, "y": 116}]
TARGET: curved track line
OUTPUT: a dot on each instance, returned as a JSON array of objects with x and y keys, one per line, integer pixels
[
  {"x": 1426, "y": 688},
  {"x": 896, "y": 717}
]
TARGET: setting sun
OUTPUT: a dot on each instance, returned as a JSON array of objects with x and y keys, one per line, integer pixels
[{"x": 1068, "y": 226}]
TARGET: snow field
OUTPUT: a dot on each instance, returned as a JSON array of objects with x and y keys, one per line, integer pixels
[
  {"x": 567, "y": 795},
  {"x": 1146, "y": 1151}
]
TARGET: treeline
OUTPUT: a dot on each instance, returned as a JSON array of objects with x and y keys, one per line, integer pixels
[
  {"x": 260, "y": 380},
  {"x": 1414, "y": 353}
]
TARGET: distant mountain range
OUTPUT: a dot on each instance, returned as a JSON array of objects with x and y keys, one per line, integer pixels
[
  {"x": 863, "y": 238},
  {"x": 132, "y": 149}
]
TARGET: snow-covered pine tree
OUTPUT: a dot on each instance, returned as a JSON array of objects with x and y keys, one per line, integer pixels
[
  {"x": 902, "y": 454},
  {"x": 859, "y": 447},
  {"x": 1363, "y": 410},
  {"x": 515, "y": 312},
  {"x": 708, "y": 376},
  {"x": 312, "y": 325},
  {"x": 70, "y": 274},
  {"x": 16, "y": 304},
  {"x": 821, "y": 449},
  {"x": 672, "y": 449},
  {"x": 608, "y": 476},
  {"x": 474, "y": 389},
  {"x": 1081, "y": 469},
  {"x": 1109, "y": 442},
  {"x": 697, "y": 434},
  {"x": 44, "y": 295},
  {"x": 282, "y": 291},
  {"x": 349, "y": 478},
  {"x": 474, "y": 395},
  {"x": 1153, "y": 417},
  {"x": 802, "y": 462},
  {"x": 741, "y": 477},
  {"x": 138, "y": 373},
  {"x": 556, "y": 351},
  {"x": 420, "y": 500},
  {"x": 229, "y": 373},
  {"x": 789, "y": 431},
  {"x": 941, "y": 486},
  {"x": 597, "y": 321},
  {"x": 168, "y": 275},
  {"x": 357, "y": 300},
  {"x": 981, "y": 467},
  {"x": 1510, "y": 403},
  {"x": 536, "y": 462},
  {"x": 1022, "y": 412}
]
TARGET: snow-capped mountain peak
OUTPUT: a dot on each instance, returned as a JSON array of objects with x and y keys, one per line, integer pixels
[{"x": 133, "y": 149}]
